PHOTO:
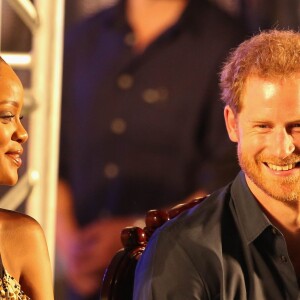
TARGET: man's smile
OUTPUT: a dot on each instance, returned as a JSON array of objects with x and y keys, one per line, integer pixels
[{"x": 281, "y": 167}]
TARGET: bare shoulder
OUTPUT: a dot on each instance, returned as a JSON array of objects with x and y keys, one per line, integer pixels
[
  {"x": 24, "y": 253},
  {"x": 19, "y": 233},
  {"x": 18, "y": 225}
]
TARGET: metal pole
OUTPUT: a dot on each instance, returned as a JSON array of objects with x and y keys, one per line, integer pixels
[
  {"x": 45, "y": 119},
  {"x": 26, "y": 11}
]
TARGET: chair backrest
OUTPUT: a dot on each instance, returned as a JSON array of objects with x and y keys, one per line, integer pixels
[{"x": 118, "y": 279}]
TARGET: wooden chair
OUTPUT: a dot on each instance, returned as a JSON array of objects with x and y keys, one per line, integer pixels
[{"x": 118, "y": 280}]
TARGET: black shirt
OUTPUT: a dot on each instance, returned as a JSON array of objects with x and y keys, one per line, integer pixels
[
  {"x": 224, "y": 248},
  {"x": 140, "y": 131}
]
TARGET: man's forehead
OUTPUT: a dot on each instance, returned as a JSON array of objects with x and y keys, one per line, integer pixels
[
  {"x": 277, "y": 77},
  {"x": 268, "y": 82},
  {"x": 271, "y": 93}
]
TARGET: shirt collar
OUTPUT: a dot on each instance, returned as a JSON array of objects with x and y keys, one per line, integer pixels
[
  {"x": 115, "y": 16},
  {"x": 247, "y": 210}
]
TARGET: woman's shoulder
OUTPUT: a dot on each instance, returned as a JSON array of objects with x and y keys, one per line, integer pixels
[
  {"x": 12, "y": 221},
  {"x": 20, "y": 235},
  {"x": 24, "y": 253},
  {"x": 15, "y": 223}
]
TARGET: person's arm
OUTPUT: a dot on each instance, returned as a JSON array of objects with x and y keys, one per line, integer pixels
[
  {"x": 100, "y": 241},
  {"x": 67, "y": 228},
  {"x": 68, "y": 239},
  {"x": 86, "y": 252},
  {"x": 165, "y": 271}
]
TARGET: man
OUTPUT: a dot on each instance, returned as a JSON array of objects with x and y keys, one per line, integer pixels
[
  {"x": 243, "y": 241},
  {"x": 142, "y": 126}
]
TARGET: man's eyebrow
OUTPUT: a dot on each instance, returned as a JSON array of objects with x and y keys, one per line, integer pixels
[{"x": 14, "y": 103}]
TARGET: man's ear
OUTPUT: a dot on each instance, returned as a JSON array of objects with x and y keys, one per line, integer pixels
[{"x": 231, "y": 123}]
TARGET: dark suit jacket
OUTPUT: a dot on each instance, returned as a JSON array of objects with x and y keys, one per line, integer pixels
[{"x": 224, "y": 248}]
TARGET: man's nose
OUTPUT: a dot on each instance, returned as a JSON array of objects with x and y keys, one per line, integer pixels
[{"x": 282, "y": 144}]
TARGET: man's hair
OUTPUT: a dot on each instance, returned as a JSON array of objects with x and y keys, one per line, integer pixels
[{"x": 270, "y": 54}]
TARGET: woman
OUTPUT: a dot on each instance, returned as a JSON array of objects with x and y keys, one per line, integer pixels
[{"x": 25, "y": 271}]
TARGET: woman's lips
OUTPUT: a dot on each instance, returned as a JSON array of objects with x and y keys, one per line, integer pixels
[{"x": 15, "y": 157}]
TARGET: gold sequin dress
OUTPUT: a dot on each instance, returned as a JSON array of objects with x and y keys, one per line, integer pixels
[{"x": 10, "y": 289}]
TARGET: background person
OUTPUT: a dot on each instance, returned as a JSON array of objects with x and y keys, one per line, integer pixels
[
  {"x": 243, "y": 241},
  {"x": 141, "y": 123}
]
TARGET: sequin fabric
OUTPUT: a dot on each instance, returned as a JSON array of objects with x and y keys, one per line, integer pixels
[{"x": 10, "y": 288}]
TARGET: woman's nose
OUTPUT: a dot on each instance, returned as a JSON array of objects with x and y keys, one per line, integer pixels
[{"x": 20, "y": 135}]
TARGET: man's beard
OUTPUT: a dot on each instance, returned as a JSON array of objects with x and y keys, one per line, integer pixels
[{"x": 282, "y": 188}]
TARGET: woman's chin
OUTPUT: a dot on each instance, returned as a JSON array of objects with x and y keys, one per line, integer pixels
[
  {"x": 13, "y": 182},
  {"x": 10, "y": 181}
]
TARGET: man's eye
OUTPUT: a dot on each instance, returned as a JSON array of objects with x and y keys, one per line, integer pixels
[
  {"x": 263, "y": 126},
  {"x": 295, "y": 127}
]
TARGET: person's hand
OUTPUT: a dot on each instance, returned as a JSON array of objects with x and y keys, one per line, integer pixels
[
  {"x": 68, "y": 253},
  {"x": 92, "y": 252}
]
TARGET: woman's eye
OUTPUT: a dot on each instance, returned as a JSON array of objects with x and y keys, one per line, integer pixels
[{"x": 7, "y": 118}]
